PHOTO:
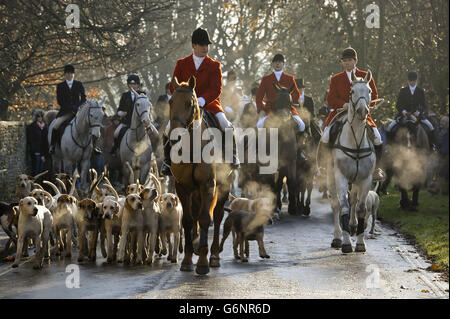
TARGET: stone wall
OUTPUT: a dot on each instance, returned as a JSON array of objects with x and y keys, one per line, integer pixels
[{"x": 12, "y": 156}]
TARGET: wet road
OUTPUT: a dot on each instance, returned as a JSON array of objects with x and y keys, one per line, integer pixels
[{"x": 302, "y": 265}]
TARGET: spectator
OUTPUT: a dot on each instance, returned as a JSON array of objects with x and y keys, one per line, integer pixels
[
  {"x": 37, "y": 143},
  {"x": 442, "y": 147},
  {"x": 249, "y": 115}
]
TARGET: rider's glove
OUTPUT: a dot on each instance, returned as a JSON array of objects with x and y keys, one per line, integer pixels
[{"x": 201, "y": 102}]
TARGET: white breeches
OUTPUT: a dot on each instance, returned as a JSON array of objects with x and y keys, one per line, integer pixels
[
  {"x": 301, "y": 125},
  {"x": 221, "y": 117},
  {"x": 118, "y": 128},
  {"x": 326, "y": 135}
]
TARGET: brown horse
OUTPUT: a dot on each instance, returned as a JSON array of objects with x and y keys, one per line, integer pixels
[{"x": 202, "y": 187}]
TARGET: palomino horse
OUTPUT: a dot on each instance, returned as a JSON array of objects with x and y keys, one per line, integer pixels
[
  {"x": 352, "y": 161},
  {"x": 76, "y": 141},
  {"x": 282, "y": 120},
  {"x": 136, "y": 147},
  {"x": 202, "y": 187},
  {"x": 409, "y": 149}
]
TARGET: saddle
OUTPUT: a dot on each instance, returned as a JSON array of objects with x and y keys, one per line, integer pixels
[
  {"x": 336, "y": 128},
  {"x": 210, "y": 119}
]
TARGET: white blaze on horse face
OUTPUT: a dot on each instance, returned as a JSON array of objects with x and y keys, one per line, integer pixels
[
  {"x": 143, "y": 107},
  {"x": 360, "y": 98}
]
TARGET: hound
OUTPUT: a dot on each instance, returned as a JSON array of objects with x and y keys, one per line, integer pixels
[
  {"x": 171, "y": 223},
  {"x": 25, "y": 184},
  {"x": 63, "y": 223},
  {"x": 35, "y": 221},
  {"x": 87, "y": 220}
]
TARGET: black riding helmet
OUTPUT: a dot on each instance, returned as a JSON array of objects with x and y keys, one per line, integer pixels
[{"x": 133, "y": 79}]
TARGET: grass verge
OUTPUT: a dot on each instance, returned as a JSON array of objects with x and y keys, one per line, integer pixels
[{"x": 428, "y": 228}]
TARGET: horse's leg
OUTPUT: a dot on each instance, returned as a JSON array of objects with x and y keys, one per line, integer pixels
[
  {"x": 293, "y": 190},
  {"x": 361, "y": 210},
  {"x": 276, "y": 188},
  {"x": 214, "y": 259},
  {"x": 208, "y": 193},
  {"x": 415, "y": 198},
  {"x": 344, "y": 210},
  {"x": 404, "y": 200},
  {"x": 307, "y": 206},
  {"x": 186, "y": 264},
  {"x": 331, "y": 187}
]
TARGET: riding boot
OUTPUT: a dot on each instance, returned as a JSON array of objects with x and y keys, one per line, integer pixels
[
  {"x": 378, "y": 174},
  {"x": 165, "y": 169},
  {"x": 53, "y": 141},
  {"x": 96, "y": 149},
  {"x": 115, "y": 146}
]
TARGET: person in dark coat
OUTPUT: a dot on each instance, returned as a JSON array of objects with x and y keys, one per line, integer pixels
[
  {"x": 125, "y": 110},
  {"x": 411, "y": 99},
  {"x": 70, "y": 94},
  {"x": 37, "y": 144},
  {"x": 249, "y": 116}
]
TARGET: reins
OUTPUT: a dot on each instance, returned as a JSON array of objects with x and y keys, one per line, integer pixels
[{"x": 74, "y": 123}]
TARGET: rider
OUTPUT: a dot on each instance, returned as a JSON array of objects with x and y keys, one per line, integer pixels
[
  {"x": 266, "y": 90},
  {"x": 305, "y": 101},
  {"x": 411, "y": 99},
  {"x": 70, "y": 94},
  {"x": 208, "y": 74},
  {"x": 231, "y": 95},
  {"x": 125, "y": 110},
  {"x": 339, "y": 97}
]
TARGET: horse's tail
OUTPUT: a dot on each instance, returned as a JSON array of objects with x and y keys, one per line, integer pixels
[{"x": 375, "y": 189}]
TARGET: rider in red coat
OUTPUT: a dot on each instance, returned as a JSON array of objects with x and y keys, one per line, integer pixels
[
  {"x": 265, "y": 96},
  {"x": 208, "y": 74},
  {"x": 339, "y": 97}
]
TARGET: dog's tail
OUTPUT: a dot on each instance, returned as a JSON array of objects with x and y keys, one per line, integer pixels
[
  {"x": 375, "y": 189},
  {"x": 227, "y": 225}
]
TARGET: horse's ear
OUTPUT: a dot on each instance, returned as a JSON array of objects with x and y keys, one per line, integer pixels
[
  {"x": 175, "y": 83},
  {"x": 368, "y": 77},
  {"x": 276, "y": 86},
  {"x": 192, "y": 82}
]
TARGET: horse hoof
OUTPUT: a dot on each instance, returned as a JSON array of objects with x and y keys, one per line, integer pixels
[
  {"x": 214, "y": 262},
  {"x": 336, "y": 243},
  {"x": 306, "y": 211},
  {"x": 80, "y": 259},
  {"x": 187, "y": 267},
  {"x": 347, "y": 248},
  {"x": 292, "y": 211},
  {"x": 360, "y": 248},
  {"x": 15, "y": 265},
  {"x": 245, "y": 260},
  {"x": 202, "y": 270}
]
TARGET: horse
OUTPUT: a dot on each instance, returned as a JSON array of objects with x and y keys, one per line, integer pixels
[
  {"x": 203, "y": 188},
  {"x": 282, "y": 120},
  {"x": 410, "y": 149},
  {"x": 136, "y": 146},
  {"x": 76, "y": 141},
  {"x": 306, "y": 170},
  {"x": 352, "y": 162}
]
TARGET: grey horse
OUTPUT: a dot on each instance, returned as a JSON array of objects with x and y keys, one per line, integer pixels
[
  {"x": 352, "y": 162},
  {"x": 76, "y": 142},
  {"x": 136, "y": 146}
]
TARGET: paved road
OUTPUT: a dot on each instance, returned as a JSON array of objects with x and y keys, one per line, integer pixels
[{"x": 302, "y": 265}]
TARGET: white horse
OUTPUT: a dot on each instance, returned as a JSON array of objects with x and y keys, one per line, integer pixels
[
  {"x": 76, "y": 142},
  {"x": 353, "y": 162},
  {"x": 135, "y": 147}
]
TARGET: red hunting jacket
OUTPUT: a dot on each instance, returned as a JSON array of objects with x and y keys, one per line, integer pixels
[
  {"x": 266, "y": 90},
  {"x": 208, "y": 80},
  {"x": 339, "y": 94}
]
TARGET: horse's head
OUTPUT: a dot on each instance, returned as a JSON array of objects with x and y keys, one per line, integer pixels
[
  {"x": 142, "y": 108},
  {"x": 360, "y": 96},
  {"x": 93, "y": 112},
  {"x": 408, "y": 120},
  {"x": 184, "y": 107},
  {"x": 283, "y": 99}
]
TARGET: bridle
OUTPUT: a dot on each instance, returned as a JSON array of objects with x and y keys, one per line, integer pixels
[
  {"x": 90, "y": 125},
  {"x": 191, "y": 117},
  {"x": 135, "y": 109},
  {"x": 358, "y": 151}
]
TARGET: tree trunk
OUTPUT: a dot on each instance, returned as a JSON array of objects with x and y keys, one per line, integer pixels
[{"x": 3, "y": 109}]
